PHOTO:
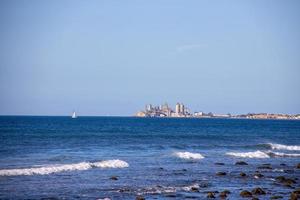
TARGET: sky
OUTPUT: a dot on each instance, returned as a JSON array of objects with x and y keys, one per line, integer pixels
[{"x": 107, "y": 57}]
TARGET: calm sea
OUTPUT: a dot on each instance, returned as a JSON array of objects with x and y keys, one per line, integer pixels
[{"x": 158, "y": 158}]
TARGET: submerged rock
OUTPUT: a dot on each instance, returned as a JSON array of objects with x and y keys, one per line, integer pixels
[
  {"x": 221, "y": 173},
  {"x": 210, "y": 195},
  {"x": 140, "y": 198},
  {"x": 241, "y": 163},
  {"x": 258, "y": 175},
  {"x": 246, "y": 193},
  {"x": 242, "y": 174},
  {"x": 258, "y": 191},
  {"x": 276, "y": 197},
  {"x": 219, "y": 163},
  {"x": 114, "y": 178}
]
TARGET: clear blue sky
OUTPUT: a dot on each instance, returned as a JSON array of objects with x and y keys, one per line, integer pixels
[{"x": 113, "y": 57}]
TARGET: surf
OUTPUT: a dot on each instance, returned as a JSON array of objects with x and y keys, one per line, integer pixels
[{"x": 62, "y": 168}]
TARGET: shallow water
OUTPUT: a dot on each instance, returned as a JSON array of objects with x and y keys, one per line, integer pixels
[{"x": 159, "y": 158}]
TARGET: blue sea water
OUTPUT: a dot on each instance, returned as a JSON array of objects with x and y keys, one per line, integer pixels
[{"x": 158, "y": 158}]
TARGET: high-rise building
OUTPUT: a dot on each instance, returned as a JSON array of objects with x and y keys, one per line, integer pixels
[
  {"x": 181, "y": 108},
  {"x": 177, "y": 108}
]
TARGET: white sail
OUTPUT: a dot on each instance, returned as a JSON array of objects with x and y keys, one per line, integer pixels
[{"x": 74, "y": 115}]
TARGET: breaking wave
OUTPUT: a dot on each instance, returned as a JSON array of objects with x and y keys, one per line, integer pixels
[
  {"x": 253, "y": 154},
  {"x": 261, "y": 154},
  {"x": 61, "y": 168},
  {"x": 284, "y": 147},
  {"x": 189, "y": 156}
]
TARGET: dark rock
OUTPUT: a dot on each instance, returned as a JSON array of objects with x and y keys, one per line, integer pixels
[
  {"x": 289, "y": 181},
  {"x": 276, "y": 197},
  {"x": 286, "y": 181},
  {"x": 298, "y": 166},
  {"x": 258, "y": 191},
  {"x": 218, "y": 163},
  {"x": 242, "y": 174},
  {"x": 221, "y": 173},
  {"x": 246, "y": 193},
  {"x": 226, "y": 192},
  {"x": 184, "y": 170},
  {"x": 223, "y": 195},
  {"x": 258, "y": 175},
  {"x": 140, "y": 198},
  {"x": 294, "y": 196},
  {"x": 264, "y": 167},
  {"x": 210, "y": 195},
  {"x": 161, "y": 168},
  {"x": 297, "y": 191},
  {"x": 171, "y": 195},
  {"x": 114, "y": 178},
  {"x": 280, "y": 178},
  {"x": 194, "y": 189},
  {"x": 241, "y": 163},
  {"x": 255, "y": 198}
]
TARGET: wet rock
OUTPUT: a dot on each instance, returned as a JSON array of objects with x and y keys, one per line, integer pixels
[
  {"x": 194, "y": 189},
  {"x": 280, "y": 178},
  {"x": 210, "y": 195},
  {"x": 184, "y": 170},
  {"x": 161, "y": 168},
  {"x": 241, "y": 163},
  {"x": 258, "y": 175},
  {"x": 297, "y": 191},
  {"x": 286, "y": 181},
  {"x": 258, "y": 191},
  {"x": 276, "y": 197},
  {"x": 221, "y": 173},
  {"x": 245, "y": 193},
  {"x": 219, "y": 163},
  {"x": 298, "y": 166},
  {"x": 223, "y": 194},
  {"x": 226, "y": 192},
  {"x": 242, "y": 174},
  {"x": 294, "y": 196},
  {"x": 114, "y": 178},
  {"x": 255, "y": 198},
  {"x": 265, "y": 167},
  {"x": 140, "y": 198},
  {"x": 282, "y": 164}
]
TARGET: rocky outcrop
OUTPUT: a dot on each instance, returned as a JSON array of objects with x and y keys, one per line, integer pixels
[{"x": 245, "y": 193}]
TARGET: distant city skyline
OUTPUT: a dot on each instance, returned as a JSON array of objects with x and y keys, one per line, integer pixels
[{"x": 113, "y": 57}]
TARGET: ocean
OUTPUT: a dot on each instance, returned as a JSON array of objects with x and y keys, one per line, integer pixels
[{"x": 153, "y": 158}]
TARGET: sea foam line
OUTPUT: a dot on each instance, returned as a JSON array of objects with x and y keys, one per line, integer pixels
[
  {"x": 189, "y": 156},
  {"x": 253, "y": 154},
  {"x": 284, "y": 147},
  {"x": 67, "y": 167}
]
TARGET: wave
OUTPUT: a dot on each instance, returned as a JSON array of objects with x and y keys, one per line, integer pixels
[
  {"x": 284, "y": 147},
  {"x": 279, "y": 154},
  {"x": 253, "y": 154},
  {"x": 61, "y": 168},
  {"x": 189, "y": 156}
]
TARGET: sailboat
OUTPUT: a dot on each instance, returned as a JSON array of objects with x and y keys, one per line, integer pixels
[{"x": 74, "y": 115}]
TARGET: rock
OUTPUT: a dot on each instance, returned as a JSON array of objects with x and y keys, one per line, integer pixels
[
  {"x": 288, "y": 171},
  {"x": 255, "y": 198},
  {"x": 258, "y": 175},
  {"x": 194, "y": 189},
  {"x": 246, "y": 193},
  {"x": 242, "y": 174},
  {"x": 241, "y": 163},
  {"x": 226, "y": 192},
  {"x": 282, "y": 164},
  {"x": 184, "y": 170},
  {"x": 298, "y": 166},
  {"x": 276, "y": 197},
  {"x": 264, "y": 167},
  {"x": 280, "y": 178},
  {"x": 221, "y": 173},
  {"x": 289, "y": 181},
  {"x": 210, "y": 195},
  {"x": 286, "y": 181},
  {"x": 114, "y": 178},
  {"x": 223, "y": 195},
  {"x": 171, "y": 195},
  {"x": 258, "y": 191},
  {"x": 294, "y": 196},
  {"x": 140, "y": 198},
  {"x": 161, "y": 168},
  {"x": 297, "y": 191},
  {"x": 218, "y": 163}
]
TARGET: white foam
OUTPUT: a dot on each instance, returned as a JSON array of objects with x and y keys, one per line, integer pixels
[
  {"x": 284, "y": 147},
  {"x": 252, "y": 154},
  {"x": 189, "y": 156},
  {"x": 61, "y": 168},
  {"x": 190, "y": 187}
]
